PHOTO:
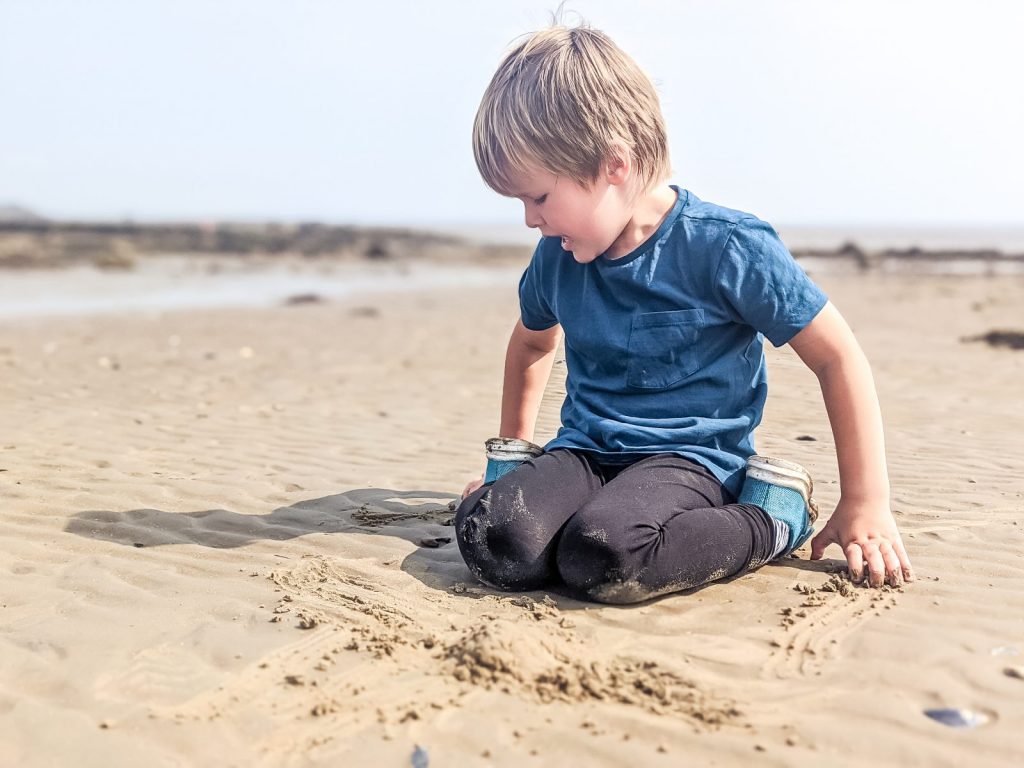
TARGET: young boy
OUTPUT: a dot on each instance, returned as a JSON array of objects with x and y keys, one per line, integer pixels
[{"x": 650, "y": 486}]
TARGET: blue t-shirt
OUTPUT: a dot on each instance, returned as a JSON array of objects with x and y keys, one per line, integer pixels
[{"x": 664, "y": 346}]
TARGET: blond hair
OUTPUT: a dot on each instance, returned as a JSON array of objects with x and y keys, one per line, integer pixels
[{"x": 558, "y": 102}]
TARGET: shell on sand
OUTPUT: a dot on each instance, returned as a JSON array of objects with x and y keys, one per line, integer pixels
[{"x": 957, "y": 718}]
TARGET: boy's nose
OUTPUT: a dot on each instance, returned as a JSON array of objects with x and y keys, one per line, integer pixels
[{"x": 533, "y": 219}]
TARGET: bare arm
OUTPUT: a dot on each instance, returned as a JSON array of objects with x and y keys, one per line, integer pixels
[
  {"x": 528, "y": 364},
  {"x": 862, "y": 524}
]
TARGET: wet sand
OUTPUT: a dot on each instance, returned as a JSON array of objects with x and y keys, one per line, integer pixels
[{"x": 226, "y": 540}]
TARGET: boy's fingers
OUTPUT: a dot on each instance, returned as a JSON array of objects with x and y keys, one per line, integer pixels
[
  {"x": 901, "y": 553},
  {"x": 819, "y": 544},
  {"x": 855, "y": 561},
  {"x": 876, "y": 565},
  {"x": 471, "y": 486},
  {"x": 893, "y": 569}
]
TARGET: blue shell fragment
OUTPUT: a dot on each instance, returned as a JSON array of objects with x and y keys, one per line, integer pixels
[
  {"x": 957, "y": 718},
  {"x": 420, "y": 758}
]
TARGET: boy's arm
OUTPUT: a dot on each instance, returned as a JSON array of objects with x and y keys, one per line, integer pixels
[
  {"x": 528, "y": 364},
  {"x": 862, "y": 523}
]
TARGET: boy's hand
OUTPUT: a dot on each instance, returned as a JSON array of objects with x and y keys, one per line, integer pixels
[
  {"x": 473, "y": 485},
  {"x": 868, "y": 535}
]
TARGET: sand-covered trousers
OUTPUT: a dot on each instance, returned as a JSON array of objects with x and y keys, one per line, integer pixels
[{"x": 614, "y": 534}]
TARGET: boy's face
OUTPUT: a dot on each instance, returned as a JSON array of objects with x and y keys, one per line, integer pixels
[{"x": 587, "y": 219}]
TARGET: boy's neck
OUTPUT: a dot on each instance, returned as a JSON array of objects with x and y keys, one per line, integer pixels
[{"x": 649, "y": 212}]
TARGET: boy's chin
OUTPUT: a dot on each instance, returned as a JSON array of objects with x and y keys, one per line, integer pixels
[{"x": 582, "y": 254}]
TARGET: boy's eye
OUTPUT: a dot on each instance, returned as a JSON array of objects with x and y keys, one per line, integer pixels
[{"x": 540, "y": 200}]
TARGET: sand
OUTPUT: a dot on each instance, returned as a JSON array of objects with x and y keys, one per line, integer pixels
[{"x": 226, "y": 540}]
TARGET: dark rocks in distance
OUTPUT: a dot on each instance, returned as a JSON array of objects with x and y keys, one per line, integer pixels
[
  {"x": 36, "y": 242},
  {"x": 850, "y": 250},
  {"x": 27, "y": 240},
  {"x": 1008, "y": 339},
  {"x": 378, "y": 251},
  {"x": 869, "y": 259}
]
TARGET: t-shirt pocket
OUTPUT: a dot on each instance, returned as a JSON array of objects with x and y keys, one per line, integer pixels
[{"x": 661, "y": 347}]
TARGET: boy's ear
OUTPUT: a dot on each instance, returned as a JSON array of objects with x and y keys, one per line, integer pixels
[{"x": 619, "y": 164}]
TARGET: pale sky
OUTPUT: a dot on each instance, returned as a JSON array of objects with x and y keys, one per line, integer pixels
[{"x": 878, "y": 112}]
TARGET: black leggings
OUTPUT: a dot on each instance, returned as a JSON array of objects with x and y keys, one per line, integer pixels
[{"x": 613, "y": 534}]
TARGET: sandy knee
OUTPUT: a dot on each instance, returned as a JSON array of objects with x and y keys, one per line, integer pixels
[{"x": 498, "y": 543}]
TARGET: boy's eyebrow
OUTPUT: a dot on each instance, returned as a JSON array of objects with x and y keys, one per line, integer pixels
[
  {"x": 545, "y": 189},
  {"x": 544, "y": 185}
]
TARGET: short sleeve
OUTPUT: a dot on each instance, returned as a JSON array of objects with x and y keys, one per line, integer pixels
[
  {"x": 534, "y": 307},
  {"x": 763, "y": 286}
]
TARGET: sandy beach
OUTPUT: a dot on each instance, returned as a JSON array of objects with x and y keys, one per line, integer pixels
[{"x": 226, "y": 541}]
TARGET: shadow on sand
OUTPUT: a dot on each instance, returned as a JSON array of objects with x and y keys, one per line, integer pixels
[{"x": 421, "y": 517}]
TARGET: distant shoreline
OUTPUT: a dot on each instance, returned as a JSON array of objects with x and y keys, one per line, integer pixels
[
  {"x": 45, "y": 244},
  {"x": 48, "y": 244},
  {"x": 1006, "y": 238}
]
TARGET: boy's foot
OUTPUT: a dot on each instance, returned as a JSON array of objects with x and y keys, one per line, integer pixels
[
  {"x": 505, "y": 454},
  {"x": 783, "y": 490}
]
